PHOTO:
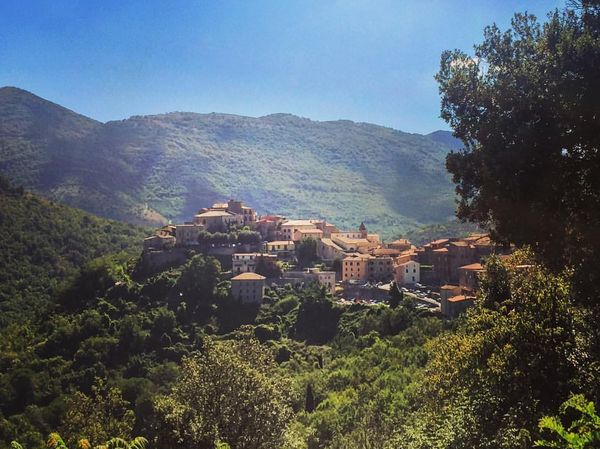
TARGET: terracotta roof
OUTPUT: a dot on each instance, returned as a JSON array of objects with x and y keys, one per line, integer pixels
[
  {"x": 440, "y": 250},
  {"x": 449, "y": 287},
  {"x": 385, "y": 251},
  {"x": 459, "y": 243},
  {"x": 310, "y": 231},
  {"x": 472, "y": 267},
  {"x": 298, "y": 223},
  {"x": 214, "y": 213},
  {"x": 358, "y": 256},
  {"x": 460, "y": 298},
  {"x": 329, "y": 242},
  {"x": 439, "y": 241},
  {"x": 281, "y": 242},
  {"x": 248, "y": 277}
]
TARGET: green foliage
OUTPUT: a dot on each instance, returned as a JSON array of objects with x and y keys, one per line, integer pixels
[
  {"x": 230, "y": 393},
  {"x": 307, "y": 252},
  {"x": 42, "y": 243},
  {"x": 98, "y": 417},
  {"x": 582, "y": 433},
  {"x": 396, "y": 295}
]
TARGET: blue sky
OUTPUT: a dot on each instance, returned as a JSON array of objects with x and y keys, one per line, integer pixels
[{"x": 363, "y": 60}]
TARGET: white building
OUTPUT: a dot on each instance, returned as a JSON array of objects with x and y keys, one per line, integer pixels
[{"x": 408, "y": 273}]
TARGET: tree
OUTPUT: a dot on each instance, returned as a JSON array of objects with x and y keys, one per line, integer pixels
[
  {"x": 231, "y": 393},
  {"x": 99, "y": 417},
  {"x": 526, "y": 108},
  {"x": 396, "y": 295},
  {"x": 582, "y": 433},
  {"x": 309, "y": 402},
  {"x": 199, "y": 279},
  {"x": 307, "y": 251}
]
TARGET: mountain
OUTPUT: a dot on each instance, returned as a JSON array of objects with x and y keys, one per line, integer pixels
[
  {"x": 149, "y": 169},
  {"x": 446, "y": 138},
  {"x": 43, "y": 242}
]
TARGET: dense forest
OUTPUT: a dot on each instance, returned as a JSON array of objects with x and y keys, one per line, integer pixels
[{"x": 116, "y": 357}]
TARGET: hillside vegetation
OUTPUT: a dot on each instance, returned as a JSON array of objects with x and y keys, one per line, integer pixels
[
  {"x": 43, "y": 242},
  {"x": 152, "y": 168}
]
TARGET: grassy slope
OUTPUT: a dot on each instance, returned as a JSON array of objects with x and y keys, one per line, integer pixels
[
  {"x": 42, "y": 242},
  {"x": 170, "y": 165}
]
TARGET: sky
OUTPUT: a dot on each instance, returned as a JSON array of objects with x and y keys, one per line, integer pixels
[{"x": 363, "y": 60}]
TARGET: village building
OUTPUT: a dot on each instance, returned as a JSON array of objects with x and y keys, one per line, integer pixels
[
  {"x": 248, "y": 288},
  {"x": 159, "y": 242},
  {"x": 283, "y": 249},
  {"x": 469, "y": 276},
  {"x": 302, "y": 278},
  {"x": 269, "y": 226},
  {"x": 220, "y": 216},
  {"x": 446, "y": 256},
  {"x": 247, "y": 262},
  {"x": 289, "y": 228},
  {"x": 355, "y": 267},
  {"x": 408, "y": 273},
  {"x": 328, "y": 250},
  {"x": 327, "y": 228},
  {"x": 381, "y": 268},
  {"x": 301, "y": 234},
  {"x": 247, "y": 214},
  {"x": 400, "y": 245},
  {"x": 216, "y": 220},
  {"x": 187, "y": 234}
]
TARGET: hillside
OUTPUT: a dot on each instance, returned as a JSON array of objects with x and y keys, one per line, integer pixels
[
  {"x": 147, "y": 169},
  {"x": 43, "y": 242}
]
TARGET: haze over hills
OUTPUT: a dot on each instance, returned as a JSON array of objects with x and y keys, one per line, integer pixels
[{"x": 149, "y": 169}]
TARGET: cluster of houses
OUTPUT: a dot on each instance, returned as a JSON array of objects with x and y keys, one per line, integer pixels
[{"x": 451, "y": 265}]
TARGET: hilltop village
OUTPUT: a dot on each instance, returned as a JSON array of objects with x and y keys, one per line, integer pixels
[{"x": 353, "y": 265}]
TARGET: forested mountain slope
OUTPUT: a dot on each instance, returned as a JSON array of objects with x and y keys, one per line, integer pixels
[
  {"x": 147, "y": 169},
  {"x": 41, "y": 243}
]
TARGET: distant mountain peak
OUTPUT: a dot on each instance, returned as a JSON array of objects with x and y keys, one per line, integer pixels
[{"x": 446, "y": 138}]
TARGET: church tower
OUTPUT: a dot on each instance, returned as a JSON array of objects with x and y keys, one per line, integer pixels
[{"x": 363, "y": 230}]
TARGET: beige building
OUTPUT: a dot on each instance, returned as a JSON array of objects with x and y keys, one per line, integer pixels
[
  {"x": 453, "y": 302},
  {"x": 281, "y": 248},
  {"x": 288, "y": 228},
  {"x": 468, "y": 276},
  {"x": 299, "y": 278},
  {"x": 301, "y": 234},
  {"x": 216, "y": 220},
  {"x": 408, "y": 273},
  {"x": 355, "y": 266},
  {"x": 187, "y": 234},
  {"x": 159, "y": 241},
  {"x": 352, "y": 244},
  {"x": 400, "y": 244},
  {"x": 327, "y": 228},
  {"x": 248, "y": 288},
  {"x": 328, "y": 250},
  {"x": 247, "y": 215},
  {"x": 381, "y": 268},
  {"x": 247, "y": 262}
]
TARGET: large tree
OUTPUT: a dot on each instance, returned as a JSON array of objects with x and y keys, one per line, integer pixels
[
  {"x": 230, "y": 393},
  {"x": 526, "y": 106}
]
